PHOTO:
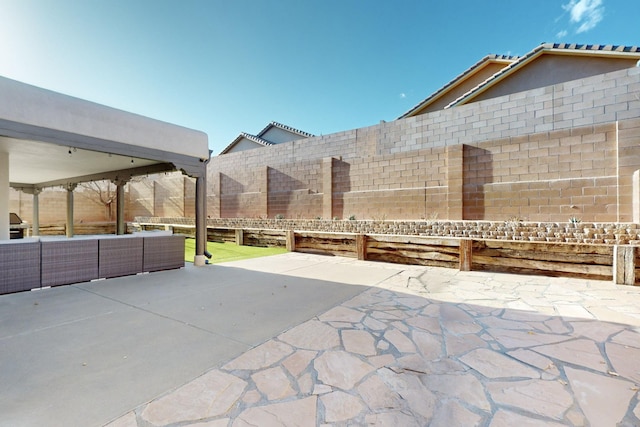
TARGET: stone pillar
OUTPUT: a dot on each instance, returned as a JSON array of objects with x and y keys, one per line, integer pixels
[
  {"x": 327, "y": 188},
  {"x": 120, "y": 224},
  {"x": 35, "y": 225},
  {"x": 455, "y": 182},
  {"x": 70, "y": 188},
  {"x": 4, "y": 196},
  {"x": 201, "y": 220}
]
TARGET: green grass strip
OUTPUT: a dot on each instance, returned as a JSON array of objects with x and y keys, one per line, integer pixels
[{"x": 224, "y": 252}]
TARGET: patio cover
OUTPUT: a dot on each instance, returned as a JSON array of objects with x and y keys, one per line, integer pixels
[{"x": 48, "y": 139}]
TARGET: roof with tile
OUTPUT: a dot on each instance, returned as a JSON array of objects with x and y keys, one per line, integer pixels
[
  {"x": 244, "y": 135},
  {"x": 517, "y": 63},
  {"x": 505, "y": 60},
  {"x": 576, "y": 49},
  {"x": 284, "y": 127},
  {"x": 258, "y": 139}
]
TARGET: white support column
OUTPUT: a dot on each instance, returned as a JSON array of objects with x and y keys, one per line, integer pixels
[
  {"x": 120, "y": 225},
  {"x": 35, "y": 226},
  {"x": 4, "y": 196},
  {"x": 201, "y": 220},
  {"x": 70, "y": 188}
]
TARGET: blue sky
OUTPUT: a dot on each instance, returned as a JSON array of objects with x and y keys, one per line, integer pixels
[{"x": 225, "y": 67}]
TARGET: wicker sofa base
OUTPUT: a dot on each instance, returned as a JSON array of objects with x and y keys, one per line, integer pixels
[
  {"x": 27, "y": 264},
  {"x": 19, "y": 265}
]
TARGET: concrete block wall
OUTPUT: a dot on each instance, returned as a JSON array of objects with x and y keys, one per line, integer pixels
[
  {"x": 294, "y": 204},
  {"x": 87, "y": 206},
  {"x": 244, "y": 205},
  {"x": 166, "y": 192},
  {"x": 53, "y": 206},
  {"x": 169, "y": 196},
  {"x": 141, "y": 198},
  {"x": 242, "y": 195},
  {"x": 189, "y": 195},
  {"x": 20, "y": 202},
  {"x": 172, "y": 194},
  {"x": 568, "y": 150},
  {"x": 416, "y": 182},
  {"x": 628, "y": 133},
  {"x": 547, "y": 176},
  {"x": 295, "y": 190},
  {"x": 600, "y": 99}
]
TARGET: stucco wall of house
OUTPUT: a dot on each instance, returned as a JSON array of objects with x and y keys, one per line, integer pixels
[
  {"x": 545, "y": 154},
  {"x": 278, "y": 136},
  {"x": 462, "y": 88},
  {"x": 551, "y": 69},
  {"x": 23, "y": 103},
  {"x": 245, "y": 144}
]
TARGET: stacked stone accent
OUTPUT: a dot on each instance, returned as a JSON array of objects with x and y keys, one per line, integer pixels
[{"x": 590, "y": 233}]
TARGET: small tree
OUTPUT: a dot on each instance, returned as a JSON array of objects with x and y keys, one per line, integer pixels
[{"x": 103, "y": 193}]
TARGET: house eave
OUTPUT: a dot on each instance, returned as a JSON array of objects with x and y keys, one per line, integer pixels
[{"x": 547, "y": 49}]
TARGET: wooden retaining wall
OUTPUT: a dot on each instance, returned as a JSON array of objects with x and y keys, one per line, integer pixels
[
  {"x": 620, "y": 263},
  {"x": 78, "y": 229},
  {"x": 557, "y": 259}
]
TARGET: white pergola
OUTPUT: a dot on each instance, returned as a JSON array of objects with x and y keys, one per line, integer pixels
[{"x": 48, "y": 139}]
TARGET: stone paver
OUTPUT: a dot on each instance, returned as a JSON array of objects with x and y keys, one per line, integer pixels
[
  {"x": 435, "y": 347},
  {"x": 273, "y": 383},
  {"x": 545, "y": 398},
  {"x": 208, "y": 396}
]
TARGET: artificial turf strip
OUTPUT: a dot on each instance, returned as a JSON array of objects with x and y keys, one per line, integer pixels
[{"x": 223, "y": 252}]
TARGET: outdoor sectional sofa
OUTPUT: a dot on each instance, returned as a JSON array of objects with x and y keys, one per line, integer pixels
[
  {"x": 19, "y": 265},
  {"x": 33, "y": 263}
]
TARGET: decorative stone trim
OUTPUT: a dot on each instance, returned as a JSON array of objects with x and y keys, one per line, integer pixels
[{"x": 589, "y": 233}]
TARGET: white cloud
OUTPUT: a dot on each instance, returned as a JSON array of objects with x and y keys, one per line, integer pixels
[
  {"x": 586, "y": 13},
  {"x": 403, "y": 95},
  {"x": 562, "y": 34}
]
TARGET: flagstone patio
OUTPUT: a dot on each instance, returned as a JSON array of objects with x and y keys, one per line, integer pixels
[{"x": 437, "y": 347}]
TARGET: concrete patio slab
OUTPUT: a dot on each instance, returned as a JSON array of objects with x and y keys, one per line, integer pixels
[
  {"x": 431, "y": 346},
  {"x": 389, "y": 345},
  {"x": 82, "y": 355}
]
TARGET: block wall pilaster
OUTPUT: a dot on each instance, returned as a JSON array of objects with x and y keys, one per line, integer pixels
[
  {"x": 264, "y": 190},
  {"x": 455, "y": 182},
  {"x": 327, "y": 187}
]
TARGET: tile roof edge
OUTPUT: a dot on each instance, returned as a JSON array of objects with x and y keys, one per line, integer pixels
[
  {"x": 543, "y": 47},
  {"x": 484, "y": 60},
  {"x": 285, "y": 127},
  {"x": 257, "y": 139},
  {"x": 248, "y": 136}
]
